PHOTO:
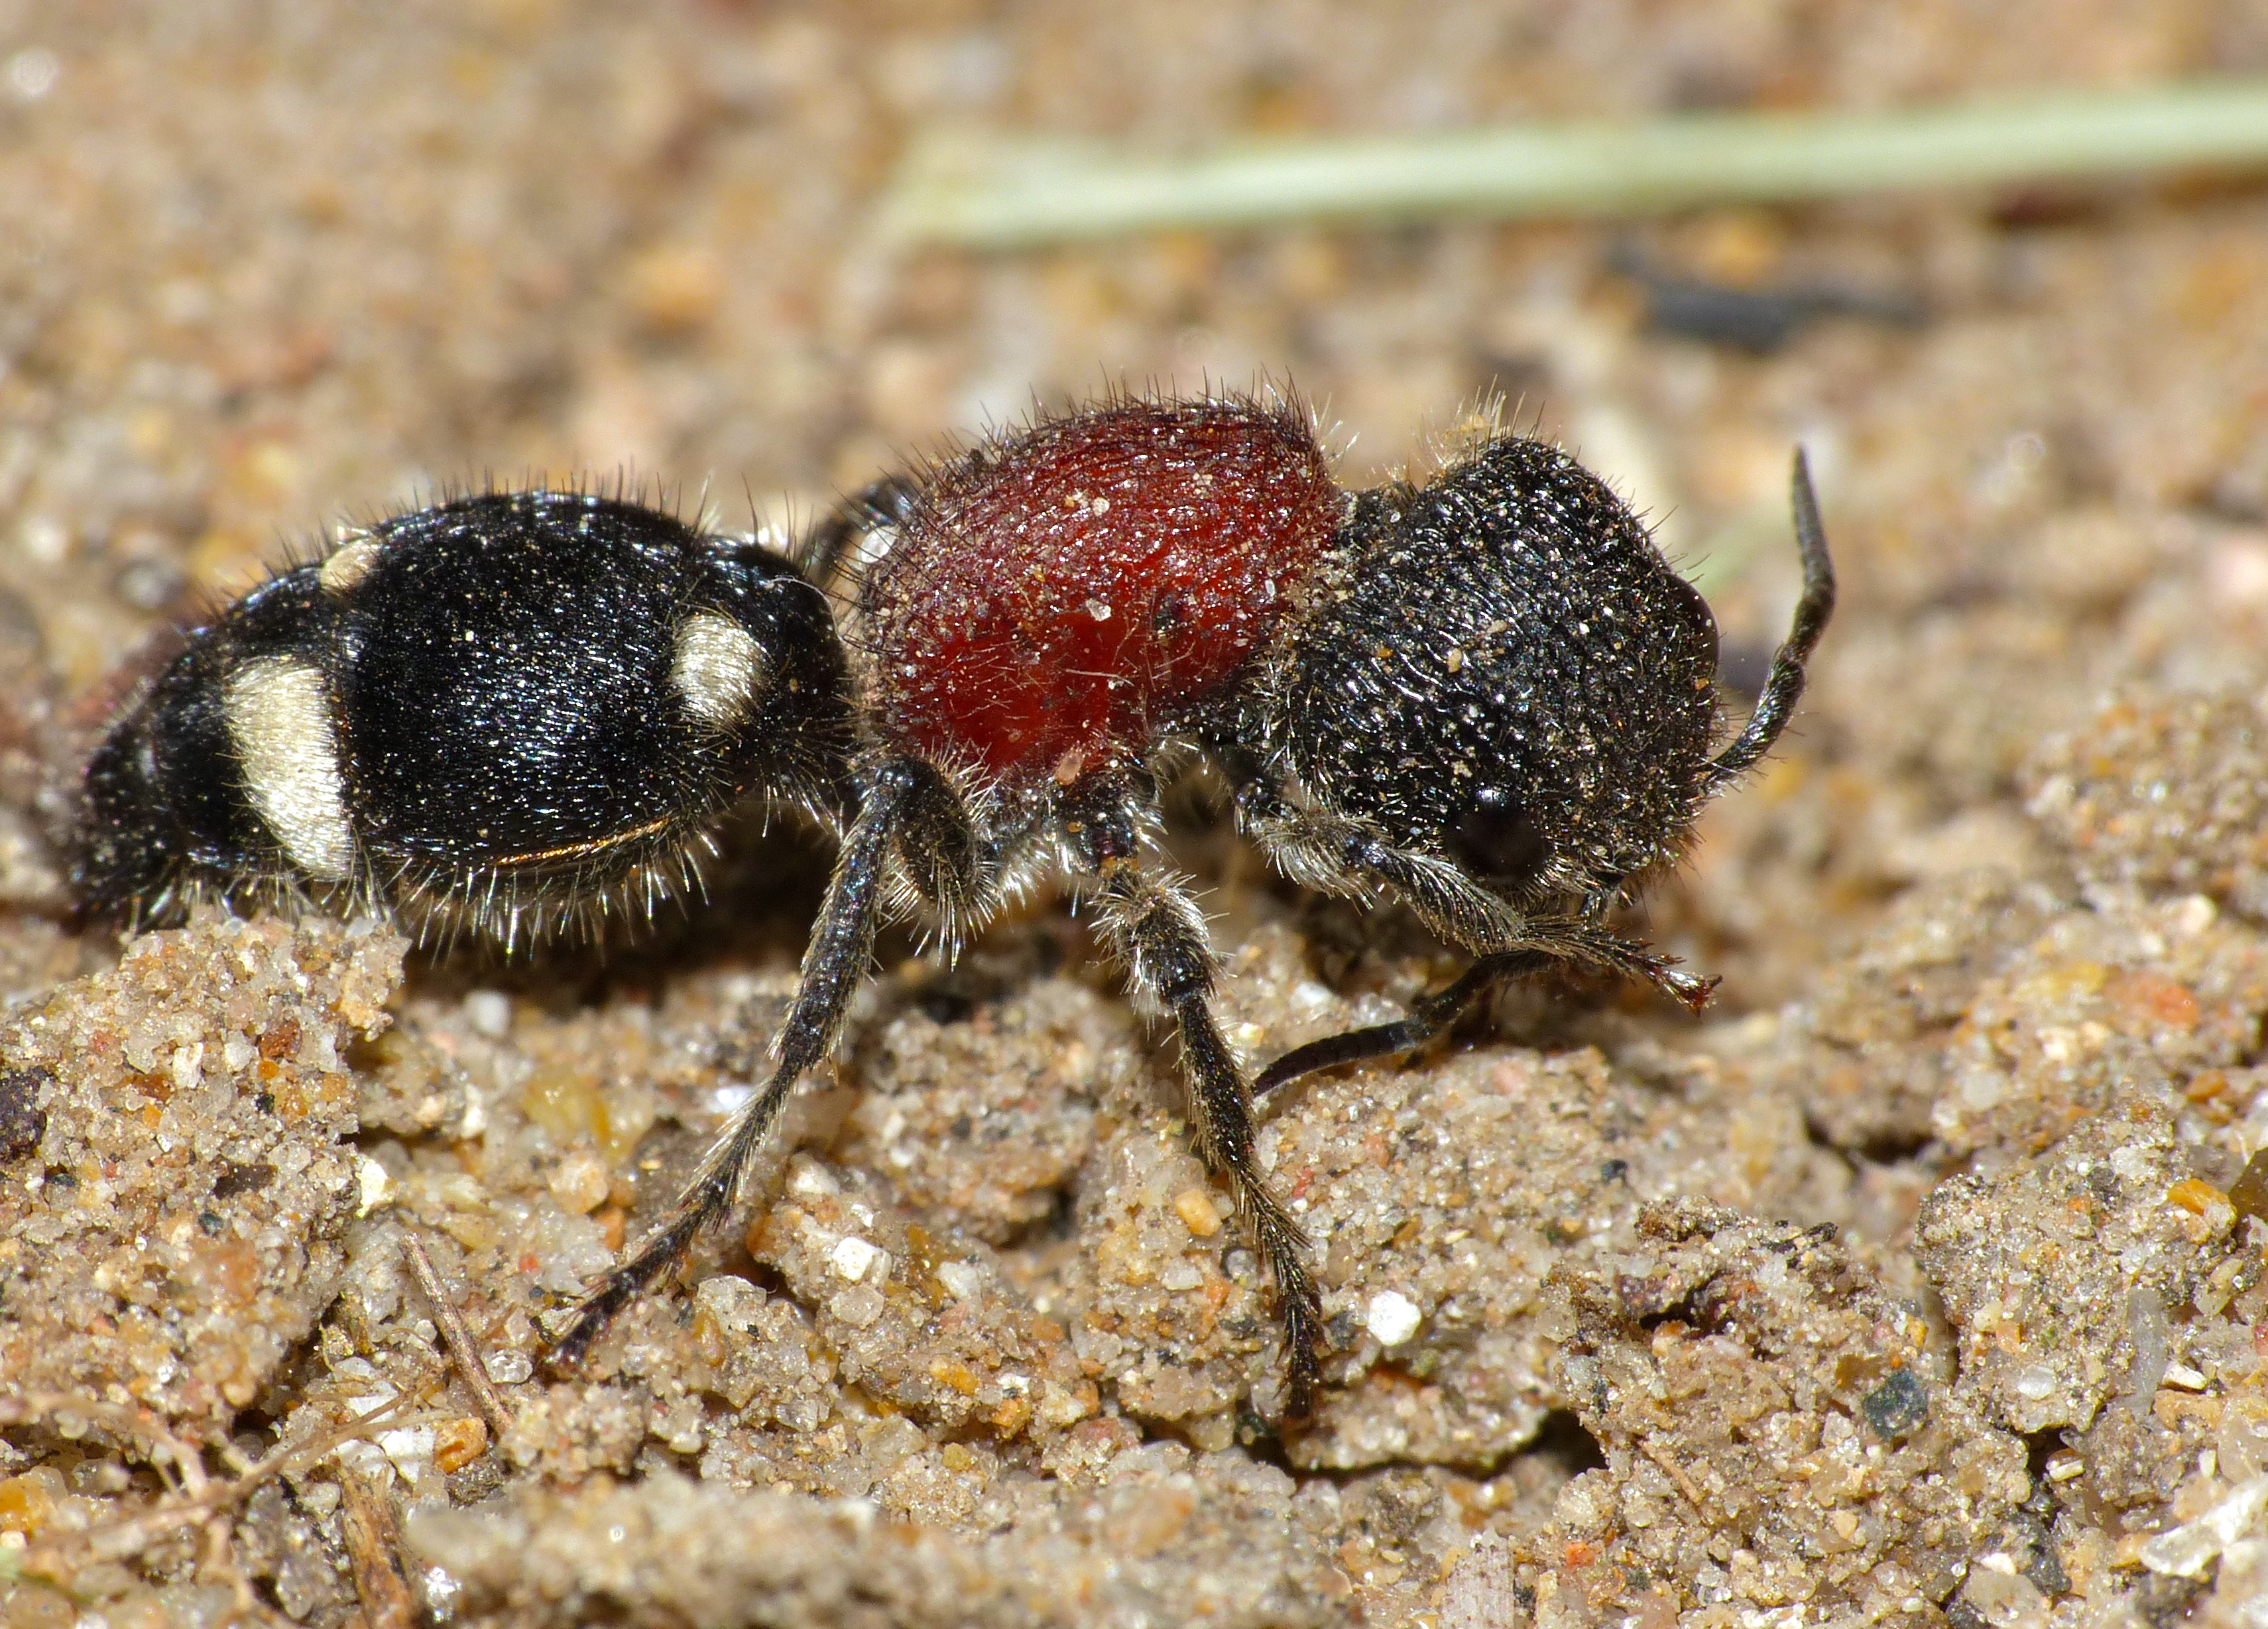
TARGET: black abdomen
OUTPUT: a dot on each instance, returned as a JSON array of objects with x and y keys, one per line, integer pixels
[{"x": 502, "y": 707}]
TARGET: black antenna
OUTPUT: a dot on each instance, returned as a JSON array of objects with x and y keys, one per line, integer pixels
[{"x": 1783, "y": 685}]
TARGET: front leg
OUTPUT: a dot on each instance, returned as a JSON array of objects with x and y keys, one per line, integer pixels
[
  {"x": 1428, "y": 1016},
  {"x": 1338, "y": 855},
  {"x": 1155, "y": 929},
  {"x": 1335, "y": 854}
]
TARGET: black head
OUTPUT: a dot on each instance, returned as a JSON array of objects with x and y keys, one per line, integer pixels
[{"x": 1506, "y": 674}]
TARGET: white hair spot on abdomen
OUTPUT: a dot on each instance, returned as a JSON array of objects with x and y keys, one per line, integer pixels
[
  {"x": 718, "y": 667},
  {"x": 279, "y": 716},
  {"x": 348, "y": 564}
]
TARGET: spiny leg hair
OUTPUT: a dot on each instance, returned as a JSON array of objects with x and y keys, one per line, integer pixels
[
  {"x": 841, "y": 945},
  {"x": 1155, "y": 929}
]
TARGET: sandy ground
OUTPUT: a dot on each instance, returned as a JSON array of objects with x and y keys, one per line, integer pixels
[{"x": 1921, "y": 1278}]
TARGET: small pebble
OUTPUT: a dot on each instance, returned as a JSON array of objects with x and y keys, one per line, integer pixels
[
  {"x": 490, "y": 1012},
  {"x": 1391, "y": 1317},
  {"x": 1897, "y": 1405},
  {"x": 961, "y": 1280},
  {"x": 853, "y": 1257},
  {"x": 372, "y": 1185},
  {"x": 457, "y": 1442},
  {"x": 579, "y": 1182},
  {"x": 1197, "y": 1212}
]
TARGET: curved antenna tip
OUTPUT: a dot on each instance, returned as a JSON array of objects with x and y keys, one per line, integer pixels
[{"x": 1783, "y": 684}]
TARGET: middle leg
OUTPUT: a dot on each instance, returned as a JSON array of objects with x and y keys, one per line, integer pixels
[{"x": 1156, "y": 930}]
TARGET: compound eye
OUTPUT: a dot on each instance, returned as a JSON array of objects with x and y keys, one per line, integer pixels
[{"x": 1497, "y": 836}]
